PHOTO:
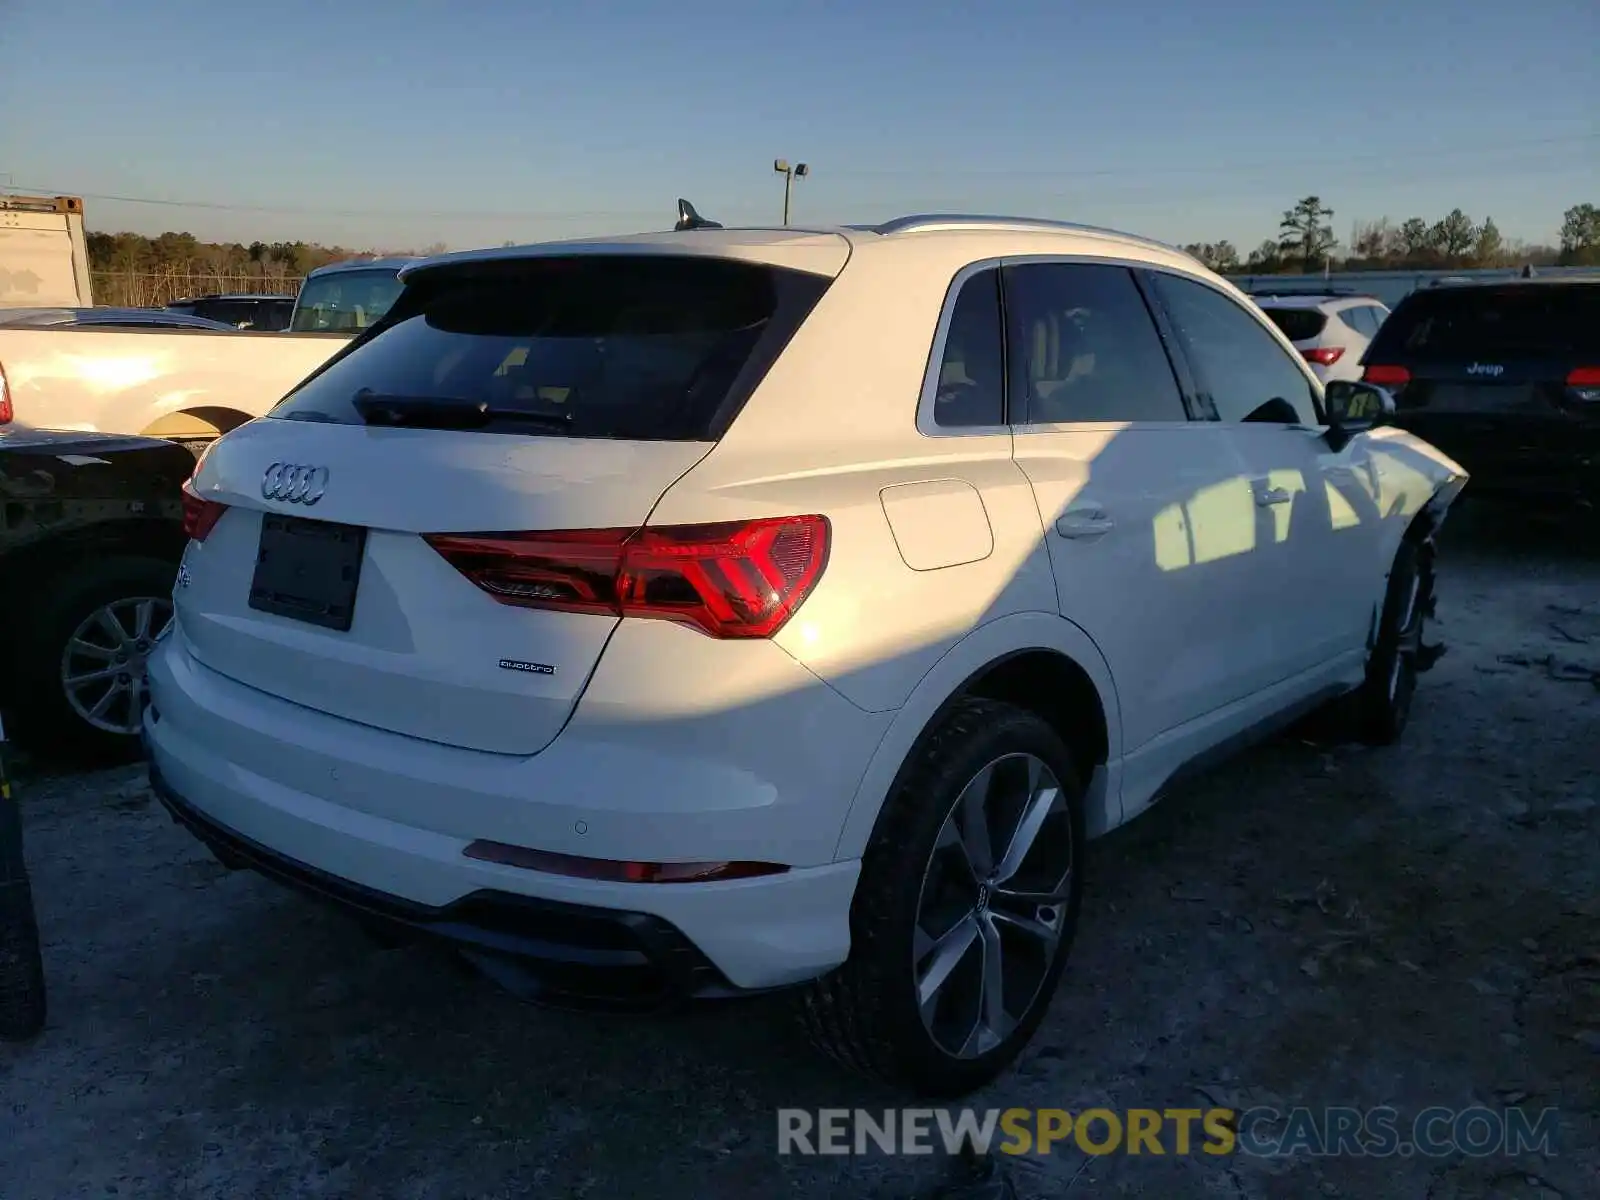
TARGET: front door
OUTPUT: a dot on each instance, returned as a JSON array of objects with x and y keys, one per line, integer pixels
[{"x": 1317, "y": 525}]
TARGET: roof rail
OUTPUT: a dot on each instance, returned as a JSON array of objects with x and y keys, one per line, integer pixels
[{"x": 931, "y": 222}]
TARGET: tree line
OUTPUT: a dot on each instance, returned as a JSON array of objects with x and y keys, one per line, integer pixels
[
  {"x": 1306, "y": 244},
  {"x": 131, "y": 268},
  {"x": 183, "y": 253}
]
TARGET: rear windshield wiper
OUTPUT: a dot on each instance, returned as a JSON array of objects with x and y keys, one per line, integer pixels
[{"x": 442, "y": 412}]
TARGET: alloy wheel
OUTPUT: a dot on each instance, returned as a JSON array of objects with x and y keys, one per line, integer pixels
[
  {"x": 993, "y": 905},
  {"x": 103, "y": 663}
]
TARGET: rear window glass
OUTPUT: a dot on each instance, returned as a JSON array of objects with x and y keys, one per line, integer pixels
[
  {"x": 637, "y": 347},
  {"x": 1298, "y": 324},
  {"x": 342, "y": 301},
  {"x": 1522, "y": 321}
]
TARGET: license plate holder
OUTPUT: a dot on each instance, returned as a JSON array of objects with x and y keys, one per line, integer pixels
[{"x": 308, "y": 570}]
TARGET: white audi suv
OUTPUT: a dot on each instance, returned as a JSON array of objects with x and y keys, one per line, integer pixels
[{"x": 699, "y": 613}]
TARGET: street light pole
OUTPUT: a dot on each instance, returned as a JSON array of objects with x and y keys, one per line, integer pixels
[{"x": 790, "y": 174}]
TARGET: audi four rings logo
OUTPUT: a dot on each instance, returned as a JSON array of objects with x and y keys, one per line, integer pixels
[{"x": 294, "y": 483}]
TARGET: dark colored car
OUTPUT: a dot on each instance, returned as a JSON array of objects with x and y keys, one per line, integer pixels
[
  {"x": 270, "y": 314},
  {"x": 107, "y": 318},
  {"x": 1504, "y": 378},
  {"x": 91, "y": 533}
]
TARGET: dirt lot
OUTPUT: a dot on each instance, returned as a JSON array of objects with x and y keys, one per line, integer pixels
[{"x": 1415, "y": 926}]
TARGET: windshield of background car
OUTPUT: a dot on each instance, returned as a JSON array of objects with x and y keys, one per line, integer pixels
[
  {"x": 1537, "y": 320},
  {"x": 1298, "y": 324},
  {"x": 344, "y": 301},
  {"x": 639, "y": 346}
]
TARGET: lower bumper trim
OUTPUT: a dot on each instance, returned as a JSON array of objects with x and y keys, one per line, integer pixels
[{"x": 546, "y": 951}]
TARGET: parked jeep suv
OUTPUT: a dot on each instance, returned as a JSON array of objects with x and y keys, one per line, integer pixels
[
  {"x": 1506, "y": 376},
  {"x": 713, "y": 611}
]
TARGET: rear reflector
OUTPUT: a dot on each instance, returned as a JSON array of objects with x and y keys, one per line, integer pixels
[
  {"x": 1584, "y": 377},
  {"x": 617, "y": 872},
  {"x": 737, "y": 579},
  {"x": 199, "y": 514},
  {"x": 6, "y": 412},
  {"x": 1387, "y": 376},
  {"x": 1323, "y": 356}
]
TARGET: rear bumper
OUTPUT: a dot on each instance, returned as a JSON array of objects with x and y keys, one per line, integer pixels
[
  {"x": 561, "y": 953},
  {"x": 378, "y": 822}
]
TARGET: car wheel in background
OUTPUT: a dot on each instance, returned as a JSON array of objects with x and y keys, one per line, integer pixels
[
  {"x": 966, "y": 907},
  {"x": 81, "y": 661}
]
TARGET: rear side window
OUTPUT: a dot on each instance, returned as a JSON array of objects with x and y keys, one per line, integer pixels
[
  {"x": 1298, "y": 324},
  {"x": 1084, "y": 347},
  {"x": 637, "y": 347},
  {"x": 972, "y": 372},
  {"x": 1367, "y": 319},
  {"x": 1522, "y": 321},
  {"x": 229, "y": 312}
]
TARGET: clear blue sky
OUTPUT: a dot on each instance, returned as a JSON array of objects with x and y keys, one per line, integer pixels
[{"x": 401, "y": 123}]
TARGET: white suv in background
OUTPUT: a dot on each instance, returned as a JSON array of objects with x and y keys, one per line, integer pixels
[
  {"x": 697, "y": 613},
  {"x": 1331, "y": 332}
]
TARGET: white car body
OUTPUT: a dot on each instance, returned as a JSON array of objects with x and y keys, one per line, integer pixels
[
  {"x": 1334, "y": 349},
  {"x": 165, "y": 383},
  {"x": 1196, "y": 580}
]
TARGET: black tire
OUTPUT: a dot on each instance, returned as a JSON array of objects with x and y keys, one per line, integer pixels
[
  {"x": 47, "y": 722},
  {"x": 1383, "y": 705},
  {"x": 865, "y": 1014},
  {"x": 22, "y": 988}
]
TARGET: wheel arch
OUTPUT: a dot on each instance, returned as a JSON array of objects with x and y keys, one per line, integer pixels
[
  {"x": 202, "y": 421},
  {"x": 42, "y": 562},
  {"x": 1039, "y": 661},
  {"x": 1419, "y": 531}
]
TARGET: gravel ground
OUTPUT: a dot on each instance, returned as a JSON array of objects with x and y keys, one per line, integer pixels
[{"x": 1413, "y": 926}]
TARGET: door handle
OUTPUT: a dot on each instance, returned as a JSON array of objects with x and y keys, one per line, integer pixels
[
  {"x": 1084, "y": 523},
  {"x": 1267, "y": 497}
]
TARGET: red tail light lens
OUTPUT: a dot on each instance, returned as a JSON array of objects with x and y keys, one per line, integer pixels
[
  {"x": 741, "y": 579},
  {"x": 617, "y": 872},
  {"x": 1584, "y": 377},
  {"x": 6, "y": 412},
  {"x": 1387, "y": 376},
  {"x": 1324, "y": 356},
  {"x": 199, "y": 514}
]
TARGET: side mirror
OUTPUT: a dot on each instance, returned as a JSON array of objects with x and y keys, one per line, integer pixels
[{"x": 1352, "y": 408}]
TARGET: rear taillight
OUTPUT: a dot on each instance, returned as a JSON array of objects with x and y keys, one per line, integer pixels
[
  {"x": 199, "y": 514},
  {"x": 739, "y": 579},
  {"x": 1585, "y": 384},
  {"x": 1323, "y": 356},
  {"x": 6, "y": 412},
  {"x": 1386, "y": 376}
]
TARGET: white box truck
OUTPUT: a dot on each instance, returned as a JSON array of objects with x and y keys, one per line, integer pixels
[{"x": 44, "y": 259}]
